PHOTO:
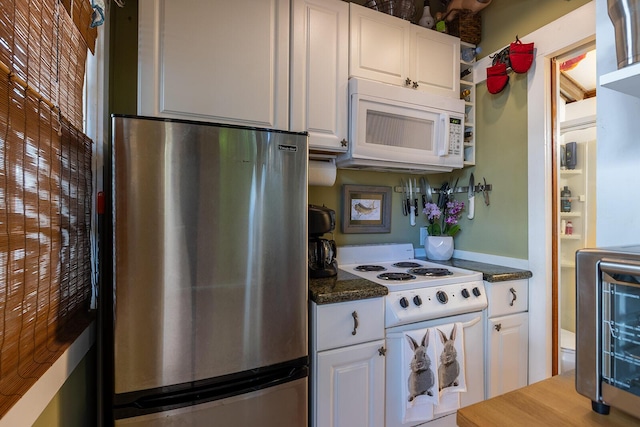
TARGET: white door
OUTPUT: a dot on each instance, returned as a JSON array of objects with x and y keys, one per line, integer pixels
[
  {"x": 379, "y": 46},
  {"x": 350, "y": 384},
  {"x": 319, "y": 72},
  {"x": 435, "y": 61},
  {"x": 507, "y": 353},
  {"x": 225, "y": 62}
]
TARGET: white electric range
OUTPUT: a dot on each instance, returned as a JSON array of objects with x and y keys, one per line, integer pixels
[
  {"x": 418, "y": 290},
  {"x": 422, "y": 294}
]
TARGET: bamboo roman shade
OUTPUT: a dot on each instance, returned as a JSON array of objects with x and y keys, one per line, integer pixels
[{"x": 45, "y": 191}]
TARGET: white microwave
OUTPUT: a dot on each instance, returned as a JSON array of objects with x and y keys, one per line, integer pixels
[{"x": 397, "y": 128}]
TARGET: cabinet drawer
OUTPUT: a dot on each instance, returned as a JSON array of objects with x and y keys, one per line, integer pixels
[
  {"x": 507, "y": 297},
  {"x": 336, "y": 323}
]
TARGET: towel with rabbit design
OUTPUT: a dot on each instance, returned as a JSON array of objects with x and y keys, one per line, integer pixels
[{"x": 434, "y": 361}]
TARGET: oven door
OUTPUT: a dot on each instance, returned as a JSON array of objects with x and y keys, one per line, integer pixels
[
  {"x": 398, "y": 385},
  {"x": 621, "y": 335}
]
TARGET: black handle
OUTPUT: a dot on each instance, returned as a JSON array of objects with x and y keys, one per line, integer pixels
[
  {"x": 355, "y": 322},
  {"x": 513, "y": 294}
]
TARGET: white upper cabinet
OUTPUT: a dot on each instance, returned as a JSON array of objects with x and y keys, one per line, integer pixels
[
  {"x": 224, "y": 62},
  {"x": 392, "y": 50},
  {"x": 379, "y": 45},
  {"x": 319, "y": 72},
  {"x": 435, "y": 61}
]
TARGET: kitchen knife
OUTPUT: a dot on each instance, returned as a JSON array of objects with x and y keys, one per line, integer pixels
[
  {"x": 415, "y": 196},
  {"x": 423, "y": 185},
  {"x": 404, "y": 197},
  {"x": 412, "y": 208},
  {"x": 471, "y": 193},
  {"x": 429, "y": 195}
]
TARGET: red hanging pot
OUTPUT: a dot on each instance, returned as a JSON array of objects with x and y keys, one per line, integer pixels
[
  {"x": 521, "y": 56},
  {"x": 497, "y": 77}
]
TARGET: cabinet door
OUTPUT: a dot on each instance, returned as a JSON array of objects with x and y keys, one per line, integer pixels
[
  {"x": 507, "y": 353},
  {"x": 319, "y": 72},
  {"x": 435, "y": 61},
  {"x": 379, "y": 45},
  {"x": 225, "y": 62},
  {"x": 350, "y": 386}
]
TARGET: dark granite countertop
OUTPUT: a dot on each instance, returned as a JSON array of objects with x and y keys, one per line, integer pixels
[
  {"x": 349, "y": 287},
  {"x": 344, "y": 287},
  {"x": 490, "y": 272}
]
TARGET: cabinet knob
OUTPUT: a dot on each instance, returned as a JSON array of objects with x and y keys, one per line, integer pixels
[
  {"x": 498, "y": 327},
  {"x": 344, "y": 143},
  {"x": 415, "y": 85},
  {"x": 407, "y": 82},
  {"x": 355, "y": 322},
  {"x": 382, "y": 351},
  {"x": 514, "y": 297}
]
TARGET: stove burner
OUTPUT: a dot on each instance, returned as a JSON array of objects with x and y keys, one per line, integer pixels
[
  {"x": 368, "y": 267},
  {"x": 430, "y": 271},
  {"x": 406, "y": 264},
  {"x": 396, "y": 276}
]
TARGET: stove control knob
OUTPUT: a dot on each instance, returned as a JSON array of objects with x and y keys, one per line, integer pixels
[
  {"x": 404, "y": 303},
  {"x": 476, "y": 292},
  {"x": 417, "y": 300},
  {"x": 442, "y": 297},
  {"x": 465, "y": 293}
]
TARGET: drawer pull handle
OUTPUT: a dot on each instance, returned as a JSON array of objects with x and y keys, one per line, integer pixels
[
  {"x": 355, "y": 322},
  {"x": 513, "y": 294},
  {"x": 498, "y": 327},
  {"x": 382, "y": 351}
]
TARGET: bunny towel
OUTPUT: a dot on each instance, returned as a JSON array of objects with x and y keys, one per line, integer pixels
[
  {"x": 451, "y": 369},
  {"x": 450, "y": 350},
  {"x": 420, "y": 370}
]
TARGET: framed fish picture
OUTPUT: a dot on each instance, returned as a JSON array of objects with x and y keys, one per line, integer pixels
[{"x": 366, "y": 209}]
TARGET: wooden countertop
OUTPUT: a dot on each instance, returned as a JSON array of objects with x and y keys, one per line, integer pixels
[{"x": 551, "y": 402}]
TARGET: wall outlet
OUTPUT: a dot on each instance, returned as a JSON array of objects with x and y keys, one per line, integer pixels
[{"x": 423, "y": 235}]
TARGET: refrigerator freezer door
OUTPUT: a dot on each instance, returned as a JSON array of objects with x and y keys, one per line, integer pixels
[
  {"x": 283, "y": 405},
  {"x": 209, "y": 249}
]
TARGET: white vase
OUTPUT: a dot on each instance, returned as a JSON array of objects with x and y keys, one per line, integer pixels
[
  {"x": 439, "y": 248},
  {"x": 427, "y": 20}
]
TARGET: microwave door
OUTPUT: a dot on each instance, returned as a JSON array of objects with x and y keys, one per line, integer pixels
[{"x": 410, "y": 134}]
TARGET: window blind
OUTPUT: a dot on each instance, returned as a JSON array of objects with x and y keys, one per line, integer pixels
[{"x": 45, "y": 192}]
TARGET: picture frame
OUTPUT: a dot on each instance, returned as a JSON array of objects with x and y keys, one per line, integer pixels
[{"x": 366, "y": 209}]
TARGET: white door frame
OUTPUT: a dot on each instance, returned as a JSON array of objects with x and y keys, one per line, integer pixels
[{"x": 568, "y": 32}]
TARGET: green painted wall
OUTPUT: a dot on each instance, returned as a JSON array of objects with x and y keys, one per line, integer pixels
[
  {"x": 75, "y": 404},
  {"x": 401, "y": 230},
  {"x": 502, "y": 20}
]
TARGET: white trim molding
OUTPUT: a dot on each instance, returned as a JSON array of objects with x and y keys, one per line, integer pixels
[
  {"x": 566, "y": 33},
  {"x": 27, "y": 410}
]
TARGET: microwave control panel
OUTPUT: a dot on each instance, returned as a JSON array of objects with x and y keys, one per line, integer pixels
[{"x": 456, "y": 136}]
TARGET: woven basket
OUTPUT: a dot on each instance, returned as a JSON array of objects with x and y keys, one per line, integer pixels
[{"x": 467, "y": 26}]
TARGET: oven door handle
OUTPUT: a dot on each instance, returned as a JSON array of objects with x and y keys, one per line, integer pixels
[
  {"x": 471, "y": 322},
  {"x": 621, "y": 268}
]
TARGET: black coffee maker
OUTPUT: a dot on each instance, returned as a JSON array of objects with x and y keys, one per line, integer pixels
[{"x": 322, "y": 252}]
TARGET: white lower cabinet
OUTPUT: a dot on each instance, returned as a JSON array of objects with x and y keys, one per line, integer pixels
[
  {"x": 507, "y": 349},
  {"x": 347, "y": 364},
  {"x": 350, "y": 385}
]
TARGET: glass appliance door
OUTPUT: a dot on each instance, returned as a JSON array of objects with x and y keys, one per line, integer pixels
[{"x": 621, "y": 327}]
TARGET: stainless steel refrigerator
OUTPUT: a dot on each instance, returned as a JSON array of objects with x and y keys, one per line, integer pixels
[{"x": 209, "y": 274}]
